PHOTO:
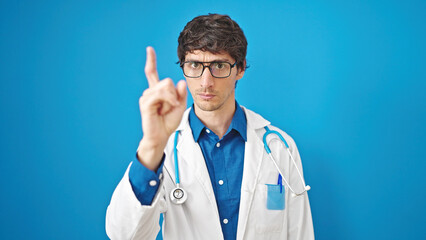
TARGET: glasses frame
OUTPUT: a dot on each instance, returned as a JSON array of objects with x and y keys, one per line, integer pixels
[{"x": 208, "y": 66}]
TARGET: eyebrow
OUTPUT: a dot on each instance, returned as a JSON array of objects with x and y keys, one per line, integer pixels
[{"x": 216, "y": 60}]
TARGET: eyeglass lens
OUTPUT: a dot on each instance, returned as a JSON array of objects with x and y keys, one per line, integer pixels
[{"x": 217, "y": 69}]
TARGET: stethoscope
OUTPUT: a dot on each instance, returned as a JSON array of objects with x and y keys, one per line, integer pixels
[
  {"x": 178, "y": 195},
  {"x": 268, "y": 150}
]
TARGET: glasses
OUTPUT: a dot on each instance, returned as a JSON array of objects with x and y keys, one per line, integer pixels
[{"x": 194, "y": 69}]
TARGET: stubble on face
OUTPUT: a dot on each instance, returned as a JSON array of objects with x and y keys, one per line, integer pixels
[
  {"x": 219, "y": 93},
  {"x": 210, "y": 100}
]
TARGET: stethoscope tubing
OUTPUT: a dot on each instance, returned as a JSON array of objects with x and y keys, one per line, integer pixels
[
  {"x": 268, "y": 150},
  {"x": 176, "y": 159}
]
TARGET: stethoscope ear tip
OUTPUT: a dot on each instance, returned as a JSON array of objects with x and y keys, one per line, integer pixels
[{"x": 307, "y": 188}]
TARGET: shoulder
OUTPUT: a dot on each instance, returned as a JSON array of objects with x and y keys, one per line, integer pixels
[
  {"x": 290, "y": 141},
  {"x": 259, "y": 124},
  {"x": 254, "y": 120}
]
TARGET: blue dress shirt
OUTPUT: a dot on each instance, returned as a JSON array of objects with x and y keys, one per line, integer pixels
[{"x": 225, "y": 161}]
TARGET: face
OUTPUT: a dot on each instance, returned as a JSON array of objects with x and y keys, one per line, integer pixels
[{"x": 210, "y": 93}]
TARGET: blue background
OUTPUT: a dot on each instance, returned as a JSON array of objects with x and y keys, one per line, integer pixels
[{"x": 346, "y": 79}]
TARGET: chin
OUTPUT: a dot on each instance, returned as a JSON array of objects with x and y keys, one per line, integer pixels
[{"x": 207, "y": 106}]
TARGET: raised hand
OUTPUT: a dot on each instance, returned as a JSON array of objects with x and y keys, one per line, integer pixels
[{"x": 162, "y": 106}]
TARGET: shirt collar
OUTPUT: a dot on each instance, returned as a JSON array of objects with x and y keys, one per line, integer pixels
[{"x": 239, "y": 123}]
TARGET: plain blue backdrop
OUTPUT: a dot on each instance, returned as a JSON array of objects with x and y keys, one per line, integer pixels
[{"x": 346, "y": 79}]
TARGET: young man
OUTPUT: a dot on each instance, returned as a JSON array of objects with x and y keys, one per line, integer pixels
[{"x": 206, "y": 168}]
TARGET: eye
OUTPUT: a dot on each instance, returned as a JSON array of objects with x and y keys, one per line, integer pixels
[
  {"x": 194, "y": 64},
  {"x": 218, "y": 65}
]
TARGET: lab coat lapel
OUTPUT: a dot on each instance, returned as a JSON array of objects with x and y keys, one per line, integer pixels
[
  {"x": 253, "y": 156},
  {"x": 194, "y": 159}
]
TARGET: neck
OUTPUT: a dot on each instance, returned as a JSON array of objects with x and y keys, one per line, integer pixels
[{"x": 219, "y": 120}]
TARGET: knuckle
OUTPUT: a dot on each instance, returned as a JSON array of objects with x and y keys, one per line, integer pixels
[
  {"x": 146, "y": 95},
  {"x": 160, "y": 92},
  {"x": 148, "y": 70},
  {"x": 145, "y": 92},
  {"x": 168, "y": 82}
]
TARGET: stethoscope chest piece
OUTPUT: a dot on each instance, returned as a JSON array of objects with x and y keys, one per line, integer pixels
[{"x": 178, "y": 195}]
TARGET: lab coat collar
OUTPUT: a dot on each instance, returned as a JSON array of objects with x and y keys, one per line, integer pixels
[
  {"x": 254, "y": 120},
  {"x": 239, "y": 123}
]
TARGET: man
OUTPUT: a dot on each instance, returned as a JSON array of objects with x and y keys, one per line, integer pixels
[{"x": 213, "y": 151}]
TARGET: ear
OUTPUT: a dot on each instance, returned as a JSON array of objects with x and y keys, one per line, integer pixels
[{"x": 241, "y": 71}]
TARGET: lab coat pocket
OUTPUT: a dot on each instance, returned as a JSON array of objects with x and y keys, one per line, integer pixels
[
  {"x": 269, "y": 210},
  {"x": 275, "y": 198}
]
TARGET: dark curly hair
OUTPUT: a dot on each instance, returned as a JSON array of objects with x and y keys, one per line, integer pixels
[{"x": 214, "y": 33}]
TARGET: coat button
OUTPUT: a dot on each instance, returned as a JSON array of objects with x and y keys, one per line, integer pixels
[
  {"x": 225, "y": 221},
  {"x": 220, "y": 182}
]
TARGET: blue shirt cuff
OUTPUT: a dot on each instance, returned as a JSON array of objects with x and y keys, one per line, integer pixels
[{"x": 144, "y": 181}]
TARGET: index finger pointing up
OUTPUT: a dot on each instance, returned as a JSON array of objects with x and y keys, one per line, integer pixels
[{"x": 151, "y": 67}]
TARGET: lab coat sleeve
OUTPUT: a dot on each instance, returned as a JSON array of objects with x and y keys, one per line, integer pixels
[
  {"x": 127, "y": 218},
  {"x": 300, "y": 224},
  {"x": 140, "y": 178}
]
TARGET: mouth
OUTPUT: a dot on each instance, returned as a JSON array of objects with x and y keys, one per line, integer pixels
[{"x": 206, "y": 96}]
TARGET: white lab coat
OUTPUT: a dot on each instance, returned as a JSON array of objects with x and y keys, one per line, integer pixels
[{"x": 198, "y": 217}]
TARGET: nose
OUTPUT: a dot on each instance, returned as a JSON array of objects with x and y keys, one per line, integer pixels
[{"x": 206, "y": 78}]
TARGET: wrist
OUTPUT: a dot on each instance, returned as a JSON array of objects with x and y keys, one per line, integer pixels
[{"x": 150, "y": 154}]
